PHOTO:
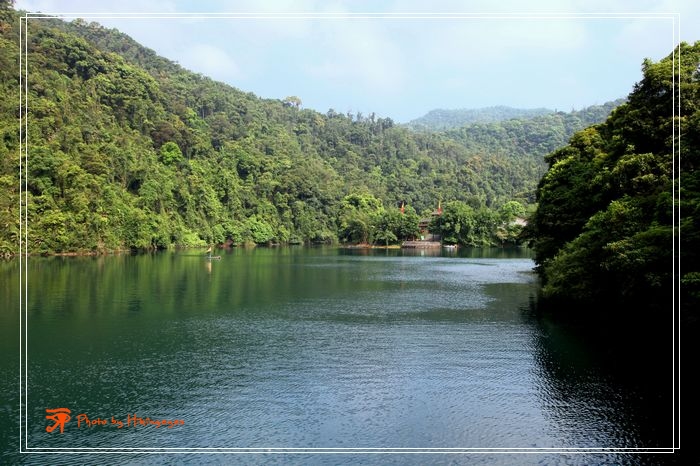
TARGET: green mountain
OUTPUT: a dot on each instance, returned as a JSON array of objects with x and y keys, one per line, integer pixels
[
  {"x": 447, "y": 120},
  {"x": 621, "y": 202},
  {"x": 530, "y": 136},
  {"x": 127, "y": 149},
  {"x": 441, "y": 119}
]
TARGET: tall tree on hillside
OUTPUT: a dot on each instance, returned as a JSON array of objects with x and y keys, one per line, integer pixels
[{"x": 603, "y": 230}]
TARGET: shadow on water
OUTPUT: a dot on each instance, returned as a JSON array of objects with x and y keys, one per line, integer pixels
[{"x": 607, "y": 383}]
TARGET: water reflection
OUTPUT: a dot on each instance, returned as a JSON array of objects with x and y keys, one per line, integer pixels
[
  {"x": 606, "y": 387},
  {"x": 324, "y": 348}
]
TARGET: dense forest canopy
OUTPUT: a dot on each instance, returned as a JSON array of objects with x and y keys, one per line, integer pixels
[
  {"x": 127, "y": 149},
  {"x": 441, "y": 119},
  {"x": 606, "y": 226}
]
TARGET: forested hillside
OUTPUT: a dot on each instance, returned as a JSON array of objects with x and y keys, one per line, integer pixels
[
  {"x": 604, "y": 227},
  {"x": 441, "y": 119},
  {"x": 129, "y": 150},
  {"x": 525, "y": 137}
]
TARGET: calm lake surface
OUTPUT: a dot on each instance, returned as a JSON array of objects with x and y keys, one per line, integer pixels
[{"x": 320, "y": 348}]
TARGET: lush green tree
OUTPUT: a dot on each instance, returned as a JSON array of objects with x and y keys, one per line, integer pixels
[
  {"x": 292, "y": 101},
  {"x": 603, "y": 231},
  {"x": 394, "y": 225},
  {"x": 456, "y": 225},
  {"x": 461, "y": 223},
  {"x": 257, "y": 230},
  {"x": 407, "y": 227},
  {"x": 170, "y": 153},
  {"x": 511, "y": 220},
  {"x": 359, "y": 218}
]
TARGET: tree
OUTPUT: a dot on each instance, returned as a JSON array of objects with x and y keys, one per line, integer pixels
[
  {"x": 170, "y": 154},
  {"x": 359, "y": 217},
  {"x": 292, "y": 101},
  {"x": 603, "y": 228},
  {"x": 456, "y": 225}
]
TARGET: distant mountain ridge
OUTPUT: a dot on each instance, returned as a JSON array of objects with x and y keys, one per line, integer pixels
[
  {"x": 534, "y": 136},
  {"x": 440, "y": 119}
]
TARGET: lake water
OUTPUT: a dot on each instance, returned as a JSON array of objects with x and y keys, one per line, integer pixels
[{"x": 320, "y": 348}]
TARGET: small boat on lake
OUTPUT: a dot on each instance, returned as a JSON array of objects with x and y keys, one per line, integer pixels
[{"x": 209, "y": 256}]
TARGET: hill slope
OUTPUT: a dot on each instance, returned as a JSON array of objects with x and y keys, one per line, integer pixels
[
  {"x": 441, "y": 119},
  {"x": 129, "y": 150},
  {"x": 604, "y": 228}
]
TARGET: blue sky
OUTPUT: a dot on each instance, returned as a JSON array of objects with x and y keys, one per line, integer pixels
[{"x": 401, "y": 67}]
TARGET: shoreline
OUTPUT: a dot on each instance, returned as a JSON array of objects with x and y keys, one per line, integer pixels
[
  {"x": 369, "y": 246},
  {"x": 118, "y": 252}
]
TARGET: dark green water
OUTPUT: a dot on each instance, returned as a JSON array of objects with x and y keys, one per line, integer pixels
[{"x": 318, "y": 348}]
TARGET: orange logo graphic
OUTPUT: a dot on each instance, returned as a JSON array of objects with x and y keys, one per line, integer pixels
[{"x": 60, "y": 417}]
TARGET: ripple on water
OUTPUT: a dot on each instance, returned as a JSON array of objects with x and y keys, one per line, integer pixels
[{"x": 334, "y": 352}]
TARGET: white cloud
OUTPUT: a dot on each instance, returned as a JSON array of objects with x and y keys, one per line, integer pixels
[
  {"x": 374, "y": 64},
  {"x": 211, "y": 61},
  {"x": 359, "y": 53},
  {"x": 467, "y": 41}
]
